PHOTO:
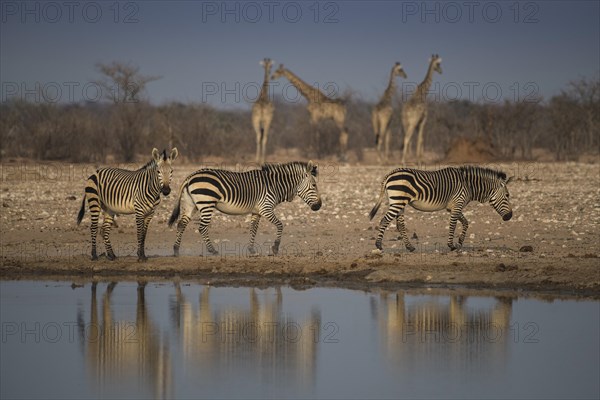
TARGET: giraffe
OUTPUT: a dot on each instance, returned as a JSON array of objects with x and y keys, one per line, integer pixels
[
  {"x": 382, "y": 113},
  {"x": 414, "y": 111},
  {"x": 320, "y": 106},
  {"x": 262, "y": 114}
]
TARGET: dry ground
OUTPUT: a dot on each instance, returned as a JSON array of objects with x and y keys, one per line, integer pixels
[{"x": 556, "y": 209}]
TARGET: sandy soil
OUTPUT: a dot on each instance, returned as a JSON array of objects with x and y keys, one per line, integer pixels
[{"x": 556, "y": 209}]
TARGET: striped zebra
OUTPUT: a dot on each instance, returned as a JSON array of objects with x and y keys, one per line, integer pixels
[
  {"x": 114, "y": 191},
  {"x": 255, "y": 192},
  {"x": 449, "y": 188}
]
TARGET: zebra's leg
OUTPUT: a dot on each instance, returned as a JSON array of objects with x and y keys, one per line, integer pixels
[
  {"x": 187, "y": 211},
  {"x": 454, "y": 216},
  {"x": 392, "y": 213},
  {"x": 465, "y": 226},
  {"x": 142, "y": 221},
  {"x": 95, "y": 214},
  {"x": 205, "y": 217},
  {"x": 106, "y": 227},
  {"x": 253, "y": 230},
  {"x": 402, "y": 229},
  {"x": 268, "y": 213}
]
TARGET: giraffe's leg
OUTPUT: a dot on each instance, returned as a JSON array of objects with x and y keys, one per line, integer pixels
[
  {"x": 258, "y": 131},
  {"x": 378, "y": 138},
  {"x": 265, "y": 138},
  {"x": 253, "y": 230},
  {"x": 388, "y": 137},
  {"x": 142, "y": 220},
  {"x": 394, "y": 210},
  {"x": 454, "y": 216},
  {"x": 343, "y": 144},
  {"x": 421, "y": 127},
  {"x": 465, "y": 226},
  {"x": 408, "y": 131},
  {"x": 267, "y": 212},
  {"x": 206, "y": 214},
  {"x": 106, "y": 226},
  {"x": 314, "y": 124},
  {"x": 317, "y": 139},
  {"x": 402, "y": 229},
  {"x": 340, "y": 122}
]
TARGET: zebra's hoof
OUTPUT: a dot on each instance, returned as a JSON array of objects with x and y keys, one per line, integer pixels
[
  {"x": 94, "y": 257},
  {"x": 275, "y": 250},
  {"x": 175, "y": 251},
  {"x": 111, "y": 256},
  {"x": 252, "y": 251},
  {"x": 142, "y": 259},
  {"x": 379, "y": 246},
  {"x": 452, "y": 247},
  {"x": 213, "y": 252},
  {"x": 410, "y": 248}
]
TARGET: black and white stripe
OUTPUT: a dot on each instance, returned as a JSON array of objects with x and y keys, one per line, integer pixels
[
  {"x": 449, "y": 188},
  {"x": 114, "y": 191},
  {"x": 255, "y": 192}
]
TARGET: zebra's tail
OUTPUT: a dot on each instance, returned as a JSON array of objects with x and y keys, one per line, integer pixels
[
  {"x": 177, "y": 209},
  {"x": 81, "y": 211},
  {"x": 378, "y": 204}
]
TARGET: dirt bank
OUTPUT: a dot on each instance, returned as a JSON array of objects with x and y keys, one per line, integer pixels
[{"x": 330, "y": 247}]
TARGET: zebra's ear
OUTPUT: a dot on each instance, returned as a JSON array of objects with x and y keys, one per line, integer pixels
[
  {"x": 174, "y": 154},
  {"x": 311, "y": 168},
  {"x": 156, "y": 154}
]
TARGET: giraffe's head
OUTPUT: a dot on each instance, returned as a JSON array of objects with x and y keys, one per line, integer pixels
[
  {"x": 307, "y": 189},
  {"x": 436, "y": 63},
  {"x": 267, "y": 63},
  {"x": 500, "y": 198},
  {"x": 398, "y": 70},
  {"x": 278, "y": 72},
  {"x": 164, "y": 169}
]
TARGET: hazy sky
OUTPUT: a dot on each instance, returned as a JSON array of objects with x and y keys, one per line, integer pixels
[{"x": 209, "y": 51}]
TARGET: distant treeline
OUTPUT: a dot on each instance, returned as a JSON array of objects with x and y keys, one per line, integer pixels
[{"x": 566, "y": 125}]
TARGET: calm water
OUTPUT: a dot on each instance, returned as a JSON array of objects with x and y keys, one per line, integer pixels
[{"x": 193, "y": 341}]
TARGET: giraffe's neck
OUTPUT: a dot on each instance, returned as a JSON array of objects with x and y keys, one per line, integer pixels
[
  {"x": 311, "y": 94},
  {"x": 263, "y": 97},
  {"x": 423, "y": 88},
  {"x": 389, "y": 92}
]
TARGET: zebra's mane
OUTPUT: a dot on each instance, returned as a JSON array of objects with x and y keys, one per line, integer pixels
[
  {"x": 152, "y": 162},
  {"x": 285, "y": 167},
  {"x": 483, "y": 171}
]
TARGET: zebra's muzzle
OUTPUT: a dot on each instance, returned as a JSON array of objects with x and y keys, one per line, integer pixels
[
  {"x": 315, "y": 206},
  {"x": 166, "y": 190},
  {"x": 508, "y": 216}
]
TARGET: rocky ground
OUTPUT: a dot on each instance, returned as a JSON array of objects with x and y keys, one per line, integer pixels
[{"x": 552, "y": 244}]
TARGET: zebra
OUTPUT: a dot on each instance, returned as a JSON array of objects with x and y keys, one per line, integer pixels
[
  {"x": 255, "y": 192},
  {"x": 118, "y": 191},
  {"x": 449, "y": 188}
]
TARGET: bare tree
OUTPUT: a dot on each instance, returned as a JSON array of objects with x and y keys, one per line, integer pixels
[
  {"x": 586, "y": 94},
  {"x": 123, "y": 84}
]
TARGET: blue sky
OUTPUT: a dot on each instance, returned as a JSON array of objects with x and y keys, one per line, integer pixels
[{"x": 490, "y": 50}]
